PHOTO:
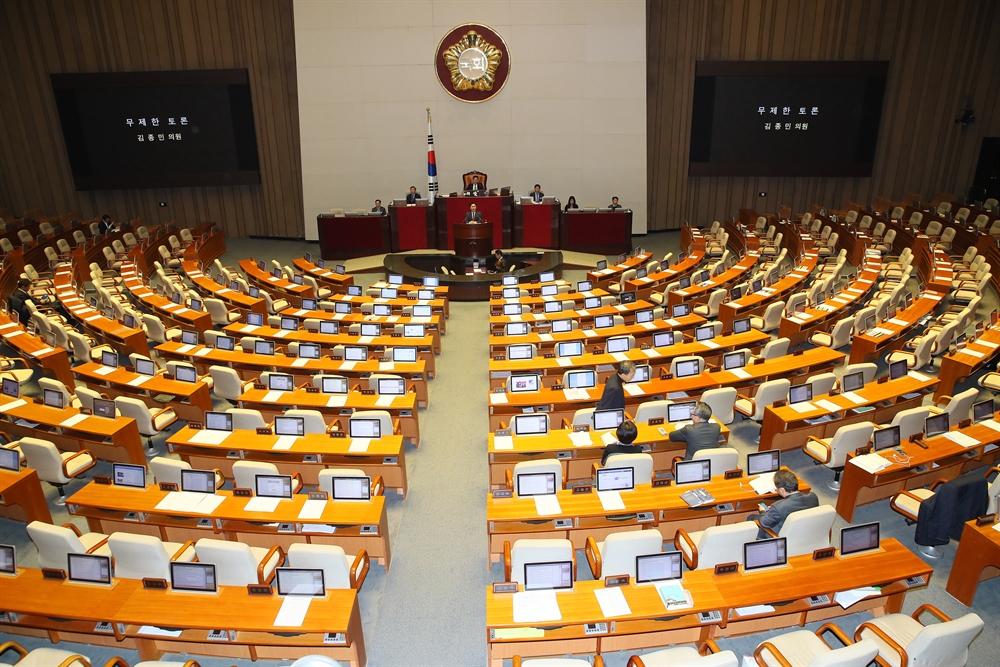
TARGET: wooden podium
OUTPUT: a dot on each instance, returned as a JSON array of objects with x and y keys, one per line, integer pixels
[{"x": 474, "y": 241}]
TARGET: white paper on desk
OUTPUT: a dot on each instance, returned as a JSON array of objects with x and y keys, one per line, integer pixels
[
  {"x": 514, "y": 318},
  {"x": 503, "y": 442},
  {"x": 359, "y": 445},
  {"x": 710, "y": 344},
  {"x": 870, "y": 463},
  {"x": 802, "y": 407},
  {"x": 672, "y": 322},
  {"x": 105, "y": 370},
  {"x": 347, "y": 365},
  {"x": 384, "y": 401},
  {"x": 962, "y": 439},
  {"x": 547, "y": 505},
  {"x": 990, "y": 423},
  {"x": 248, "y": 328},
  {"x": 203, "y": 352},
  {"x": 846, "y": 598},
  {"x": 647, "y": 325},
  {"x": 539, "y": 316},
  {"x": 612, "y": 601},
  {"x": 974, "y": 353},
  {"x": 854, "y": 398},
  {"x": 337, "y": 401},
  {"x": 14, "y": 404},
  {"x": 581, "y": 439},
  {"x": 536, "y": 606},
  {"x": 321, "y": 528},
  {"x": 919, "y": 377},
  {"x": 179, "y": 501},
  {"x": 988, "y": 344},
  {"x": 209, "y": 503},
  {"x": 633, "y": 389},
  {"x": 740, "y": 373},
  {"x": 755, "y": 609},
  {"x": 498, "y": 399},
  {"x": 583, "y": 313},
  {"x": 620, "y": 308},
  {"x": 338, "y": 316},
  {"x": 386, "y": 365},
  {"x": 92, "y": 318},
  {"x": 153, "y": 631},
  {"x": 611, "y": 501},
  {"x": 12, "y": 334},
  {"x": 299, "y": 363},
  {"x": 898, "y": 322},
  {"x": 619, "y": 356},
  {"x": 73, "y": 421},
  {"x": 589, "y": 333},
  {"x": 392, "y": 319},
  {"x": 293, "y": 611},
  {"x": 184, "y": 349},
  {"x": 261, "y": 505},
  {"x": 284, "y": 442},
  {"x": 272, "y": 396},
  {"x": 44, "y": 350},
  {"x": 829, "y": 406},
  {"x": 652, "y": 352},
  {"x": 545, "y": 337},
  {"x": 763, "y": 484},
  {"x": 564, "y": 361},
  {"x": 609, "y": 438},
  {"x": 209, "y": 437},
  {"x": 312, "y": 509},
  {"x": 576, "y": 394},
  {"x": 365, "y": 340}
]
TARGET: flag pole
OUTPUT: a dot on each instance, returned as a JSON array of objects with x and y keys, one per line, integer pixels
[{"x": 432, "y": 180}]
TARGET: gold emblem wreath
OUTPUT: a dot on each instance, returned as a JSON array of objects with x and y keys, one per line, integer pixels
[{"x": 472, "y": 40}]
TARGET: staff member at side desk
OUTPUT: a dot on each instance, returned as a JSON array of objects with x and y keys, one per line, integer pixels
[
  {"x": 614, "y": 393},
  {"x": 473, "y": 216},
  {"x": 792, "y": 500},
  {"x": 626, "y": 434},
  {"x": 378, "y": 208},
  {"x": 17, "y": 302},
  {"x": 537, "y": 195},
  {"x": 701, "y": 433},
  {"x": 413, "y": 196},
  {"x": 570, "y": 204}
]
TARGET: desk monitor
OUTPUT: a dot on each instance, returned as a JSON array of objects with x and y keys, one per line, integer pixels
[
  {"x": 196, "y": 305},
  {"x": 10, "y": 460},
  {"x": 280, "y": 382},
  {"x": 642, "y": 374},
  {"x": 193, "y": 577},
  {"x": 897, "y": 369},
  {"x": 757, "y": 285},
  {"x": 289, "y": 324},
  {"x": 581, "y": 379},
  {"x": 937, "y": 424},
  {"x": 511, "y": 293},
  {"x": 800, "y": 394},
  {"x": 853, "y": 381},
  {"x": 602, "y": 264},
  {"x": 295, "y": 426},
  {"x": 219, "y": 421},
  {"x": 308, "y": 304},
  {"x": 536, "y": 484},
  {"x": 562, "y": 326},
  {"x": 509, "y": 280},
  {"x": 255, "y": 319},
  {"x": 185, "y": 374},
  {"x": 641, "y": 272},
  {"x": 523, "y": 383},
  {"x": 104, "y": 408},
  {"x": 129, "y": 321},
  {"x": 550, "y": 290},
  {"x": 176, "y": 298},
  {"x": 548, "y": 576},
  {"x": 328, "y": 327},
  {"x": 516, "y": 328},
  {"x": 703, "y": 277},
  {"x": 628, "y": 297},
  {"x": 388, "y": 293},
  {"x": 354, "y": 290},
  {"x": 189, "y": 337},
  {"x": 263, "y": 347},
  {"x": 395, "y": 279},
  {"x": 531, "y": 424},
  {"x": 224, "y": 343},
  {"x": 685, "y": 282},
  {"x": 413, "y": 331},
  {"x": 736, "y": 293},
  {"x": 616, "y": 479},
  {"x": 391, "y": 386},
  {"x": 584, "y": 286},
  {"x": 355, "y": 353},
  {"x": 519, "y": 352},
  {"x": 663, "y": 339},
  {"x": 421, "y": 310},
  {"x": 592, "y": 303},
  {"x": 547, "y": 276},
  {"x": 679, "y": 412},
  {"x": 733, "y": 360},
  {"x": 126, "y": 474},
  {"x": 982, "y": 411},
  {"x": 254, "y": 292},
  {"x": 431, "y": 281},
  {"x": 552, "y": 306},
  {"x": 704, "y": 333},
  {"x": 643, "y": 316},
  {"x": 89, "y": 569},
  {"x": 573, "y": 348},
  {"x": 299, "y": 581},
  {"x": 340, "y": 270},
  {"x": 52, "y": 398},
  {"x": 362, "y": 427},
  {"x": 342, "y": 308},
  {"x": 352, "y": 488},
  {"x": 693, "y": 472},
  {"x": 617, "y": 344},
  {"x": 859, "y": 539},
  {"x": 604, "y": 321},
  {"x": 109, "y": 359},
  {"x": 869, "y": 323},
  {"x": 606, "y": 420},
  {"x": 333, "y": 385},
  {"x": 404, "y": 355},
  {"x": 146, "y": 367},
  {"x": 760, "y": 463},
  {"x": 309, "y": 351},
  {"x": 273, "y": 486},
  {"x": 886, "y": 438},
  {"x": 680, "y": 310},
  {"x": 764, "y": 554},
  {"x": 658, "y": 567},
  {"x": 687, "y": 369},
  {"x": 425, "y": 294},
  {"x": 8, "y": 562},
  {"x": 369, "y": 329}
]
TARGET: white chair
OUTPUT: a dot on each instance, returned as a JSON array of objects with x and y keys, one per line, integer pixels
[
  {"x": 238, "y": 564},
  {"x": 832, "y": 452},
  {"x": 616, "y": 554},
  {"x": 156, "y": 331},
  {"x": 641, "y": 464},
  {"x": 686, "y": 656},
  {"x": 145, "y": 556},
  {"x": 771, "y": 318},
  {"x": 711, "y": 308},
  {"x": 55, "y": 467},
  {"x": 43, "y": 657},
  {"x": 903, "y": 641},
  {"x": 918, "y": 358},
  {"x": 228, "y": 384},
  {"x": 867, "y": 369},
  {"x": 774, "y": 349},
  {"x": 822, "y": 383},
  {"x": 910, "y": 422},
  {"x": 339, "y": 569},
  {"x": 245, "y": 474},
  {"x": 767, "y": 394},
  {"x": 540, "y": 466},
  {"x": 809, "y": 649},
  {"x": 150, "y": 422},
  {"x": 958, "y": 406},
  {"x": 722, "y": 400},
  {"x": 807, "y": 530},
  {"x": 650, "y": 410},
  {"x": 325, "y": 480},
  {"x": 244, "y": 419},
  {"x": 54, "y": 543},
  {"x": 534, "y": 551},
  {"x": 220, "y": 315},
  {"x": 312, "y": 420},
  {"x": 9, "y": 369},
  {"x": 627, "y": 275},
  {"x": 837, "y": 337},
  {"x": 82, "y": 350},
  {"x": 166, "y": 470},
  {"x": 722, "y": 459},
  {"x": 704, "y": 549}
]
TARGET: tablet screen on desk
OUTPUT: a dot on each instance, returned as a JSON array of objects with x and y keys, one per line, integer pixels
[
  {"x": 686, "y": 369},
  {"x": 104, "y": 408},
  {"x": 628, "y": 297},
  {"x": 886, "y": 438},
  {"x": 381, "y": 310},
  {"x": 516, "y": 328},
  {"x": 372, "y": 330},
  {"x": 982, "y": 411},
  {"x": 741, "y": 326},
  {"x": 584, "y": 286},
  {"x": 764, "y": 553},
  {"x": 176, "y": 298},
  {"x": 364, "y": 428},
  {"x": 309, "y": 351},
  {"x": 800, "y": 394},
  {"x": 759, "y": 463},
  {"x": 936, "y": 425},
  {"x": 431, "y": 281},
  {"x": 185, "y": 373},
  {"x": 273, "y": 486},
  {"x": 511, "y": 309},
  {"x": 536, "y": 484},
  {"x": 511, "y": 293},
  {"x": 854, "y": 381},
  {"x": 858, "y": 539},
  {"x": 308, "y": 304},
  {"x": 188, "y": 338},
  {"x": 548, "y": 576},
  {"x": 218, "y": 421},
  {"x": 196, "y": 305},
  {"x": 897, "y": 369},
  {"x": 618, "y": 344},
  {"x": 592, "y": 303},
  {"x": 523, "y": 383},
  {"x": 736, "y": 293},
  {"x": 263, "y": 347},
  {"x": 509, "y": 280},
  {"x": 8, "y": 563},
  {"x": 145, "y": 367},
  {"x": 606, "y": 420},
  {"x": 290, "y": 426},
  {"x": 326, "y": 327},
  {"x": 547, "y": 276},
  {"x": 388, "y": 293},
  {"x": 413, "y": 331},
  {"x": 124, "y": 474},
  {"x": 342, "y": 308},
  {"x": 663, "y": 339},
  {"x": 255, "y": 319},
  {"x": 642, "y": 374},
  {"x": 356, "y": 353},
  {"x": 298, "y": 581},
  {"x": 531, "y": 424},
  {"x": 643, "y": 316},
  {"x": 658, "y": 567},
  {"x": 519, "y": 352},
  {"x": 354, "y": 290},
  {"x": 733, "y": 360},
  {"x": 129, "y": 321},
  {"x": 195, "y": 577},
  {"x": 289, "y": 324},
  {"x": 10, "y": 460},
  {"x": 561, "y": 326},
  {"x": 391, "y": 386},
  {"x": 550, "y": 290},
  {"x": 581, "y": 379},
  {"x": 704, "y": 333},
  {"x": 679, "y": 412},
  {"x": 279, "y": 382},
  {"x": 89, "y": 569},
  {"x": 109, "y": 359},
  {"x": 425, "y": 294},
  {"x": 333, "y": 385},
  {"x": 52, "y": 398},
  {"x": 340, "y": 270},
  {"x": 421, "y": 310},
  {"x": 198, "y": 481},
  {"x": 602, "y": 264},
  {"x": 404, "y": 355},
  {"x": 693, "y": 472},
  {"x": 604, "y": 321},
  {"x": 757, "y": 285},
  {"x": 569, "y": 349},
  {"x": 616, "y": 479},
  {"x": 352, "y": 488},
  {"x": 681, "y": 310}
]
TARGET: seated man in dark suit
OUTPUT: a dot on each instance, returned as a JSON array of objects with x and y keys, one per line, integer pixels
[
  {"x": 473, "y": 216},
  {"x": 17, "y": 302},
  {"x": 614, "y": 204},
  {"x": 614, "y": 393},
  {"x": 537, "y": 195},
  {"x": 792, "y": 500},
  {"x": 496, "y": 262},
  {"x": 104, "y": 226},
  {"x": 701, "y": 433},
  {"x": 626, "y": 434},
  {"x": 413, "y": 196},
  {"x": 475, "y": 187},
  {"x": 378, "y": 208}
]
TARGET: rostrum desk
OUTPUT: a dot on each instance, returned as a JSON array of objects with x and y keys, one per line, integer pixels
[{"x": 473, "y": 240}]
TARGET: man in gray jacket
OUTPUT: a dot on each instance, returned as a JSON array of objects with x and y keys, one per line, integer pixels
[
  {"x": 792, "y": 500},
  {"x": 701, "y": 433}
]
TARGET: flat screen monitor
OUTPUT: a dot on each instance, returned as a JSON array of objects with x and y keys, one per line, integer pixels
[
  {"x": 198, "y": 481},
  {"x": 511, "y": 293},
  {"x": 658, "y": 567},
  {"x": 225, "y": 343},
  {"x": 704, "y": 333},
  {"x": 937, "y": 424},
  {"x": 145, "y": 367},
  {"x": 680, "y": 310},
  {"x": 294, "y": 426},
  {"x": 129, "y": 321},
  {"x": 552, "y": 307},
  {"x": 853, "y": 381},
  {"x": 431, "y": 281},
  {"x": 363, "y": 427},
  {"x": 413, "y": 331},
  {"x": 263, "y": 347},
  {"x": 193, "y": 577},
  {"x": 764, "y": 554},
  {"x": 273, "y": 486},
  {"x": 757, "y": 285},
  {"x": 536, "y": 484},
  {"x": 687, "y": 368},
  {"x": 640, "y": 272},
  {"x": 185, "y": 373},
  {"x": 982, "y": 411},
  {"x": 679, "y": 412},
  {"x": 642, "y": 374},
  {"x": 89, "y": 568},
  {"x": 736, "y": 293},
  {"x": 280, "y": 382},
  {"x": 733, "y": 360},
  {"x": 581, "y": 379},
  {"x": 604, "y": 321},
  {"x": 663, "y": 339},
  {"x": 126, "y": 474},
  {"x": 897, "y": 369},
  {"x": 8, "y": 561},
  {"x": 421, "y": 310},
  {"x": 760, "y": 463},
  {"x": 176, "y": 298},
  {"x": 562, "y": 326},
  {"x": 693, "y": 472},
  {"x": 300, "y": 582},
  {"x": 388, "y": 293},
  {"x": 550, "y": 290},
  {"x": 289, "y": 324},
  {"x": 391, "y": 386},
  {"x": 104, "y": 408},
  {"x": 602, "y": 264},
  {"x": 342, "y": 308},
  {"x": 617, "y": 344},
  {"x": 425, "y": 294},
  {"x": 395, "y": 279},
  {"x": 615, "y": 479},
  {"x": 509, "y": 280},
  {"x": 516, "y": 328},
  {"x": 523, "y": 383},
  {"x": 53, "y": 398},
  {"x": 606, "y": 420},
  {"x": 219, "y": 421},
  {"x": 196, "y": 305},
  {"x": 404, "y": 355},
  {"x": 255, "y": 319},
  {"x": 592, "y": 303},
  {"x": 859, "y": 539},
  {"x": 643, "y": 316},
  {"x": 886, "y": 438},
  {"x": 109, "y": 359},
  {"x": 352, "y": 488},
  {"x": 309, "y": 351},
  {"x": 189, "y": 337},
  {"x": 584, "y": 286},
  {"x": 572, "y": 348},
  {"x": 520, "y": 352},
  {"x": 548, "y": 576},
  {"x": 327, "y": 327},
  {"x": 372, "y": 330},
  {"x": 355, "y": 353},
  {"x": 340, "y": 270},
  {"x": 800, "y": 394},
  {"x": 333, "y": 385},
  {"x": 254, "y": 292},
  {"x": 531, "y": 424},
  {"x": 628, "y": 297},
  {"x": 10, "y": 460},
  {"x": 547, "y": 276},
  {"x": 354, "y": 290},
  {"x": 685, "y": 282}
]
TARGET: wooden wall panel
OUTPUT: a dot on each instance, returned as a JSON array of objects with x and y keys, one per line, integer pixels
[
  {"x": 940, "y": 55},
  {"x": 40, "y": 37}
]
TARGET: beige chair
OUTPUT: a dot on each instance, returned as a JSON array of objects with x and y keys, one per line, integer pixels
[
  {"x": 627, "y": 275},
  {"x": 9, "y": 369},
  {"x": 650, "y": 410},
  {"x": 837, "y": 337},
  {"x": 540, "y": 466},
  {"x": 774, "y": 349},
  {"x": 722, "y": 400},
  {"x": 832, "y": 452},
  {"x": 339, "y": 569},
  {"x": 325, "y": 480},
  {"x": 711, "y": 307},
  {"x": 166, "y": 470},
  {"x": 722, "y": 459},
  {"x": 771, "y": 318},
  {"x": 238, "y": 564},
  {"x": 641, "y": 464},
  {"x": 686, "y": 656},
  {"x": 867, "y": 370},
  {"x": 704, "y": 549},
  {"x": 43, "y": 657},
  {"x": 150, "y": 422},
  {"x": 616, "y": 554},
  {"x": 919, "y": 357},
  {"x": 767, "y": 394},
  {"x": 157, "y": 332},
  {"x": 245, "y": 473},
  {"x": 910, "y": 422},
  {"x": 807, "y": 530},
  {"x": 679, "y": 360},
  {"x": 958, "y": 406},
  {"x": 248, "y": 420},
  {"x": 312, "y": 420},
  {"x": 54, "y": 543},
  {"x": 147, "y": 557},
  {"x": 809, "y": 649},
  {"x": 83, "y": 350},
  {"x": 535, "y": 551},
  {"x": 220, "y": 315},
  {"x": 227, "y": 383},
  {"x": 55, "y": 467},
  {"x": 903, "y": 641},
  {"x": 822, "y": 383}
]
